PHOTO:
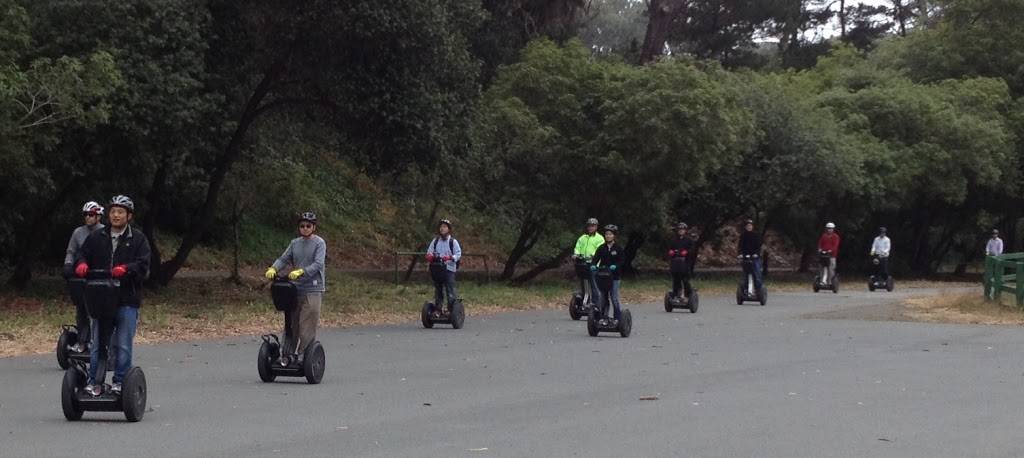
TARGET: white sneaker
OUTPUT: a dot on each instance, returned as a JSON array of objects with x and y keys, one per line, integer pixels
[
  {"x": 94, "y": 390},
  {"x": 115, "y": 388}
]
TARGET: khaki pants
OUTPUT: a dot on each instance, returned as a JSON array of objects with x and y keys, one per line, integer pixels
[{"x": 302, "y": 322}]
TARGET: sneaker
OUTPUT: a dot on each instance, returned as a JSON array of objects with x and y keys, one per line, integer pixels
[
  {"x": 94, "y": 390},
  {"x": 77, "y": 348},
  {"x": 284, "y": 361},
  {"x": 115, "y": 388}
]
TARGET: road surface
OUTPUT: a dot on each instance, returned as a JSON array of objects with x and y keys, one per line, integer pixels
[{"x": 731, "y": 381}]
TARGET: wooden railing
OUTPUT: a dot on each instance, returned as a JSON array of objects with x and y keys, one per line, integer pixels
[{"x": 1001, "y": 276}]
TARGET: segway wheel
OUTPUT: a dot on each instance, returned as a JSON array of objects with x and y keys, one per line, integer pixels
[
  {"x": 63, "y": 353},
  {"x": 762, "y": 295},
  {"x": 871, "y": 284},
  {"x": 574, "y": 307},
  {"x": 816, "y": 286},
  {"x": 266, "y": 359},
  {"x": 73, "y": 381},
  {"x": 592, "y": 324},
  {"x": 425, "y": 315},
  {"x": 668, "y": 302},
  {"x": 694, "y": 302},
  {"x": 626, "y": 324},
  {"x": 133, "y": 394},
  {"x": 739, "y": 294},
  {"x": 458, "y": 315},
  {"x": 314, "y": 362},
  {"x": 890, "y": 284},
  {"x": 835, "y": 285}
]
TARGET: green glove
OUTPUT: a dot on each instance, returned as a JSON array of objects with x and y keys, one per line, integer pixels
[
  {"x": 271, "y": 273},
  {"x": 593, "y": 268},
  {"x": 613, "y": 267},
  {"x": 295, "y": 274}
]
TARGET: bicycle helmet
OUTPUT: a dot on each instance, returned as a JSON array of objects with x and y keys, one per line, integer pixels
[
  {"x": 124, "y": 202},
  {"x": 446, "y": 222},
  {"x": 308, "y": 217},
  {"x": 882, "y": 230},
  {"x": 613, "y": 228},
  {"x": 92, "y": 208},
  {"x": 681, "y": 225},
  {"x": 995, "y": 231},
  {"x": 592, "y": 222},
  {"x": 830, "y": 225}
]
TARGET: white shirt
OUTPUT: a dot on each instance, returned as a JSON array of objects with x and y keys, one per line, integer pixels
[
  {"x": 994, "y": 247},
  {"x": 881, "y": 246}
]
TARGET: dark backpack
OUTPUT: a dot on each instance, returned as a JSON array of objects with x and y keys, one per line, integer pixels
[{"x": 451, "y": 248}]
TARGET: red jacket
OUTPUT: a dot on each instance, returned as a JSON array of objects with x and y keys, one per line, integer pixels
[{"x": 829, "y": 242}]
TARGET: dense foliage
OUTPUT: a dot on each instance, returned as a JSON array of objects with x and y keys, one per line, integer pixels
[{"x": 222, "y": 119}]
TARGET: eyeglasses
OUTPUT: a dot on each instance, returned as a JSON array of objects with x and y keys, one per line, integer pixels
[{"x": 305, "y": 226}]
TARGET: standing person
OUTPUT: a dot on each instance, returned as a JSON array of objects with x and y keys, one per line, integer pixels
[
  {"x": 446, "y": 249},
  {"x": 750, "y": 245},
  {"x": 995, "y": 244},
  {"x": 306, "y": 255},
  {"x": 679, "y": 255},
  {"x": 829, "y": 241},
  {"x": 586, "y": 247},
  {"x": 91, "y": 214},
  {"x": 610, "y": 255},
  {"x": 125, "y": 252},
  {"x": 881, "y": 248}
]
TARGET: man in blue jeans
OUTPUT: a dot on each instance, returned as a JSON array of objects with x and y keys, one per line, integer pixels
[
  {"x": 444, "y": 248},
  {"x": 125, "y": 253}
]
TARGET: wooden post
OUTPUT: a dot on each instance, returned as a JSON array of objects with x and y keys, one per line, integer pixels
[
  {"x": 997, "y": 279},
  {"x": 1019, "y": 284}
]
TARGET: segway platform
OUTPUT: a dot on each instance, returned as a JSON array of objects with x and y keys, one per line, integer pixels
[
  {"x": 431, "y": 314},
  {"x": 75, "y": 401},
  {"x": 673, "y": 302},
  {"x": 581, "y": 303},
  {"x": 313, "y": 361},
  {"x": 598, "y": 320}
]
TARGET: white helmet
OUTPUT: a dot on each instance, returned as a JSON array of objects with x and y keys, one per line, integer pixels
[
  {"x": 92, "y": 208},
  {"x": 830, "y": 225},
  {"x": 124, "y": 202}
]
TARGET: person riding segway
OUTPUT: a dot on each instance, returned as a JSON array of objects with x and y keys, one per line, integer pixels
[
  {"x": 73, "y": 343},
  {"x": 751, "y": 287},
  {"x": 299, "y": 295},
  {"x": 880, "y": 248},
  {"x": 587, "y": 244},
  {"x": 679, "y": 255},
  {"x": 828, "y": 250},
  {"x": 443, "y": 256},
  {"x": 606, "y": 264},
  {"x": 113, "y": 294}
]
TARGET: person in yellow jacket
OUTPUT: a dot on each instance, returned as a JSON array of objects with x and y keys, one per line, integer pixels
[{"x": 586, "y": 247}]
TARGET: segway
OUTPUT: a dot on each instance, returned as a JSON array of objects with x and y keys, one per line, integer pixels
[
  {"x": 598, "y": 320},
  {"x": 879, "y": 280},
  {"x": 581, "y": 302},
  {"x": 431, "y": 313},
  {"x": 821, "y": 280},
  {"x": 745, "y": 291},
  {"x": 678, "y": 264},
  {"x": 70, "y": 332},
  {"x": 101, "y": 299},
  {"x": 271, "y": 363}
]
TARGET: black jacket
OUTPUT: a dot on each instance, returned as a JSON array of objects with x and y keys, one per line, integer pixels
[
  {"x": 679, "y": 245},
  {"x": 608, "y": 256},
  {"x": 132, "y": 251},
  {"x": 750, "y": 243}
]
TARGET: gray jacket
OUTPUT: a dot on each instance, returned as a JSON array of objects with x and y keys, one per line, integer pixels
[
  {"x": 309, "y": 255},
  {"x": 77, "y": 238}
]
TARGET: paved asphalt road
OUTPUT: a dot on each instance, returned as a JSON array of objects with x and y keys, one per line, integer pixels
[{"x": 743, "y": 381}]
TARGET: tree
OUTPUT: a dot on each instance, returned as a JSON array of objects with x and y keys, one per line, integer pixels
[{"x": 661, "y": 14}]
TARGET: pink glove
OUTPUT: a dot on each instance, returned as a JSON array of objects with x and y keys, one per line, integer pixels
[
  {"x": 430, "y": 257},
  {"x": 81, "y": 269},
  {"x": 671, "y": 253}
]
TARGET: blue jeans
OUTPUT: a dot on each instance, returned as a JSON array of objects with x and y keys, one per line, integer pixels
[
  {"x": 757, "y": 275},
  {"x": 117, "y": 334},
  {"x": 614, "y": 298},
  {"x": 447, "y": 287}
]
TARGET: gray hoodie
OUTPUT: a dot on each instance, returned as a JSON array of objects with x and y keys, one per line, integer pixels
[
  {"x": 308, "y": 255},
  {"x": 77, "y": 238}
]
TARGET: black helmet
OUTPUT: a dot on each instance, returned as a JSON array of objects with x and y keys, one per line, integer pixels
[
  {"x": 124, "y": 202},
  {"x": 446, "y": 222},
  {"x": 613, "y": 228},
  {"x": 308, "y": 216},
  {"x": 882, "y": 229},
  {"x": 748, "y": 221}
]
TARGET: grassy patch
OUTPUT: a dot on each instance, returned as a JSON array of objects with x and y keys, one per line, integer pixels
[{"x": 963, "y": 309}]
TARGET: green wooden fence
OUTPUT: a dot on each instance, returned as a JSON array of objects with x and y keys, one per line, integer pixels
[{"x": 1001, "y": 274}]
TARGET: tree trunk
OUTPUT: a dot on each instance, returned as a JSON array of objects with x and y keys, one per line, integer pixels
[
  {"x": 544, "y": 266},
  {"x": 806, "y": 258},
  {"x": 529, "y": 233},
  {"x": 661, "y": 14},
  {"x": 900, "y": 12},
  {"x": 155, "y": 200},
  {"x": 922, "y": 13},
  {"x": 636, "y": 240},
  {"x": 423, "y": 246},
  {"x": 202, "y": 219},
  {"x": 36, "y": 233},
  {"x": 842, "y": 19}
]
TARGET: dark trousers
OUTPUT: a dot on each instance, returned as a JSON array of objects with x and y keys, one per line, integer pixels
[
  {"x": 81, "y": 317},
  {"x": 441, "y": 288},
  {"x": 883, "y": 267},
  {"x": 681, "y": 279}
]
